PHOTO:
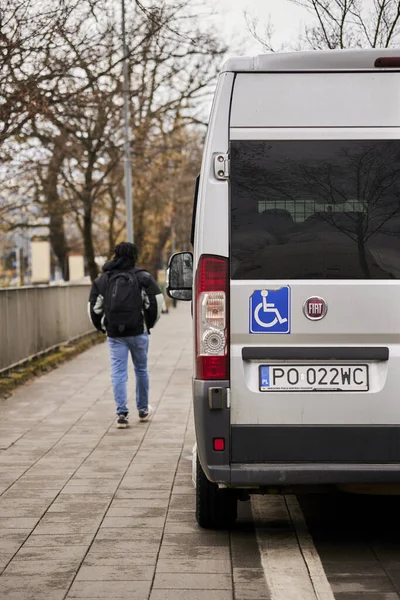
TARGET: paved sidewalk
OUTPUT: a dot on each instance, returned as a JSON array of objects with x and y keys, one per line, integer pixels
[{"x": 89, "y": 511}]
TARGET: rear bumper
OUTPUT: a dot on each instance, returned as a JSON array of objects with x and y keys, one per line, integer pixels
[
  {"x": 258, "y": 456},
  {"x": 354, "y": 444},
  {"x": 284, "y": 474},
  {"x": 259, "y": 475}
]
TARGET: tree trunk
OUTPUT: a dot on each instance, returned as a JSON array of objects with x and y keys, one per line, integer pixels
[
  {"x": 88, "y": 245},
  {"x": 55, "y": 209},
  {"x": 111, "y": 224},
  {"x": 58, "y": 242},
  {"x": 155, "y": 261}
]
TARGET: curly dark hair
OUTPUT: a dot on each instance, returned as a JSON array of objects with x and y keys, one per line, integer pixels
[{"x": 126, "y": 250}]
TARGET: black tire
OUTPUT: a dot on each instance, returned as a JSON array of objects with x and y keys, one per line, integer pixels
[{"x": 215, "y": 508}]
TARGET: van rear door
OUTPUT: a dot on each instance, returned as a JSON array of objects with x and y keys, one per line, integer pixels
[{"x": 315, "y": 295}]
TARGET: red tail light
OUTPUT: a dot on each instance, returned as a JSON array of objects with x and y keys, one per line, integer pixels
[
  {"x": 388, "y": 62},
  {"x": 211, "y": 313}
]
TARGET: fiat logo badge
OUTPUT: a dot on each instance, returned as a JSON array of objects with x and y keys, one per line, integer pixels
[{"x": 315, "y": 308}]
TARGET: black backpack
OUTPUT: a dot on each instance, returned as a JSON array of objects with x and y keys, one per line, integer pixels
[{"x": 123, "y": 305}]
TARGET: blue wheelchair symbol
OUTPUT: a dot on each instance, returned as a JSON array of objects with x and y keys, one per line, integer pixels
[{"x": 270, "y": 311}]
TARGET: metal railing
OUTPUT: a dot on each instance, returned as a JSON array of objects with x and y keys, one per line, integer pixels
[{"x": 36, "y": 319}]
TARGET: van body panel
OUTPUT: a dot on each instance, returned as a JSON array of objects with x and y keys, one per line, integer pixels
[
  {"x": 310, "y": 60},
  {"x": 320, "y": 133},
  {"x": 212, "y": 225},
  {"x": 210, "y": 424},
  {"x": 316, "y": 100}
]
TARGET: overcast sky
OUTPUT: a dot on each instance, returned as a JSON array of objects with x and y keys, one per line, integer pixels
[{"x": 287, "y": 18}]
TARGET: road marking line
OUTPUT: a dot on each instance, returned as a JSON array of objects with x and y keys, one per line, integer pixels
[{"x": 292, "y": 567}]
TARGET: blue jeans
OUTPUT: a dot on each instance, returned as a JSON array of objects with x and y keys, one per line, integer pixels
[{"x": 120, "y": 348}]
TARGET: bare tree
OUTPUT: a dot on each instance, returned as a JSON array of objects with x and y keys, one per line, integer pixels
[
  {"x": 72, "y": 133},
  {"x": 342, "y": 24},
  {"x": 53, "y": 206},
  {"x": 27, "y": 34}
]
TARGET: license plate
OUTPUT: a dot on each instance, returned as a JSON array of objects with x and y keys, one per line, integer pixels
[{"x": 349, "y": 378}]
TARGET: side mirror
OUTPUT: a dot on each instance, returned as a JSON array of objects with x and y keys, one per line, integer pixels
[{"x": 180, "y": 276}]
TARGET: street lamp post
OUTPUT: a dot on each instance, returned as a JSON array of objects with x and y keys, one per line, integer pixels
[{"x": 127, "y": 133}]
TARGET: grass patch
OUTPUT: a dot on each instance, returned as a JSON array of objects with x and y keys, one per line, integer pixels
[{"x": 13, "y": 378}]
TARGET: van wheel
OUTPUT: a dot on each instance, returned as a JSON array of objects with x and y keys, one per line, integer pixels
[{"x": 215, "y": 508}]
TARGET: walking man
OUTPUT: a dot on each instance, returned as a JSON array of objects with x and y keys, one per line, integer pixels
[{"x": 125, "y": 302}]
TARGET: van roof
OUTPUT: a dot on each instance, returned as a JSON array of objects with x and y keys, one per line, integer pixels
[{"x": 311, "y": 60}]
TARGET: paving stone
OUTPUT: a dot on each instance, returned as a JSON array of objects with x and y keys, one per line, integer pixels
[
  {"x": 248, "y": 575},
  {"x": 56, "y": 527},
  {"x": 193, "y": 581},
  {"x": 18, "y": 522},
  {"x": 345, "y": 552},
  {"x": 15, "y": 536},
  {"x": 186, "y": 527},
  {"x": 177, "y": 516},
  {"x": 142, "y": 494},
  {"x": 15, "y": 494},
  {"x": 38, "y": 587},
  {"x": 351, "y": 583},
  {"x": 394, "y": 575},
  {"x": 195, "y": 551},
  {"x": 199, "y": 538},
  {"x": 142, "y": 522},
  {"x": 251, "y": 591},
  {"x": 388, "y": 555},
  {"x": 41, "y": 484},
  {"x": 143, "y": 511},
  {"x": 130, "y": 534},
  {"x": 170, "y": 565},
  {"x": 134, "y": 547},
  {"x": 66, "y": 554},
  {"x": 75, "y": 504},
  {"x": 183, "y": 490},
  {"x": 194, "y": 595},
  {"x": 81, "y": 487},
  {"x": 366, "y": 596},
  {"x": 139, "y": 590},
  {"x": 138, "y": 483},
  {"x": 116, "y": 573},
  {"x": 183, "y": 502},
  {"x": 358, "y": 568},
  {"x": 49, "y": 541},
  {"x": 32, "y": 567},
  {"x": 245, "y": 554},
  {"x": 106, "y": 558},
  {"x": 19, "y": 512}
]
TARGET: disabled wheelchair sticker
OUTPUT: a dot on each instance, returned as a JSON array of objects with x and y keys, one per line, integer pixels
[{"x": 270, "y": 311}]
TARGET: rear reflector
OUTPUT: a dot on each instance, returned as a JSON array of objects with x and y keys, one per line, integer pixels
[
  {"x": 211, "y": 367},
  {"x": 388, "y": 62},
  {"x": 219, "y": 444}
]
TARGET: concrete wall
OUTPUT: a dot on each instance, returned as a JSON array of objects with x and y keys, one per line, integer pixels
[{"x": 40, "y": 262}]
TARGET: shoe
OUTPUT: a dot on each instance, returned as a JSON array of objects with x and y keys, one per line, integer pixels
[
  {"x": 145, "y": 414},
  {"x": 122, "y": 422}
]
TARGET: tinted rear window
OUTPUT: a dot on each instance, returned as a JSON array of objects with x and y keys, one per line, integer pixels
[{"x": 315, "y": 209}]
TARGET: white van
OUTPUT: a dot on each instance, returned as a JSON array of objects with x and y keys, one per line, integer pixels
[{"x": 296, "y": 268}]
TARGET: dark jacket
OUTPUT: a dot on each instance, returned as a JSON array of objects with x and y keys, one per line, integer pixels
[{"x": 151, "y": 295}]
